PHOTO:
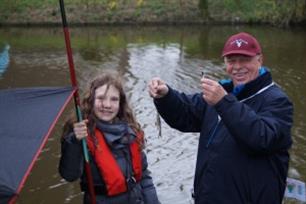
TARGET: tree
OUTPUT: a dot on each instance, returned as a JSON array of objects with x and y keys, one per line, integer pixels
[{"x": 203, "y": 6}]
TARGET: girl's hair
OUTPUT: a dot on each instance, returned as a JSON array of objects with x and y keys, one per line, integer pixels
[{"x": 125, "y": 113}]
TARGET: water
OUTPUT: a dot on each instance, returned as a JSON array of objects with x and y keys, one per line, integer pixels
[{"x": 176, "y": 54}]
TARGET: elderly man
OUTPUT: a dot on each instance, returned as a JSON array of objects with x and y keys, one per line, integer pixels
[{"x": 244, "y": 126}]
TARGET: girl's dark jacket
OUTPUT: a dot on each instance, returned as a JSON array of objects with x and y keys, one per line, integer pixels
[
  {"x": 244, "y": 141},
  {"x": 71, "y": 168}
]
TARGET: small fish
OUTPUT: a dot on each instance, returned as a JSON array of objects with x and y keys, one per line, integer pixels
[{"x": 158, "y": 124}]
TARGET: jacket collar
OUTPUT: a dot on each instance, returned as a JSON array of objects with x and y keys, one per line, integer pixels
[
  {"x": 116, "y": 134},
  {"x": 246, "y": 90}
]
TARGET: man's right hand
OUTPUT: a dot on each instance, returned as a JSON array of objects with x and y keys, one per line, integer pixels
[{"x": 157, "y": 88}]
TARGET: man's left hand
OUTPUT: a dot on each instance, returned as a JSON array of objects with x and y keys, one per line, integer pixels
[{"x": 213, "y": 92}]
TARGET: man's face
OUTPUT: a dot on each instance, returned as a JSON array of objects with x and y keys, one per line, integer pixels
[{"x": 241, "y": 68}]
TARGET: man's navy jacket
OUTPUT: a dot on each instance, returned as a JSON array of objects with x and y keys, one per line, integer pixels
[{"x": 244, "y": 141}]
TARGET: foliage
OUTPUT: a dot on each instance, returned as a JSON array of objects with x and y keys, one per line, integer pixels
[
  {"x": 203, "y": 6},
  {"x": 277, "y": 12}
]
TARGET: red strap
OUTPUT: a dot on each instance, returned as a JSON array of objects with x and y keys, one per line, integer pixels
[
  {"x": 108, "y": 167},
  {"x": 136, "y": 157},
  {"x": 111, "y": 173}
]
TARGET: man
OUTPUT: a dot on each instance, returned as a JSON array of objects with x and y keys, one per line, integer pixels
[{"x": 244, "y": 126}]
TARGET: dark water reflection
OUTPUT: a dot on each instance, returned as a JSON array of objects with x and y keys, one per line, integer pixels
[{"x": 178, "y": 55}]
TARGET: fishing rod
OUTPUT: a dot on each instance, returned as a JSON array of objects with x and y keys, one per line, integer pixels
[{"x": 77, "y": 101}]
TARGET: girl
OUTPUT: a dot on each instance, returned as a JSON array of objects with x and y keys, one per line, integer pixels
[{"x": 115, "y": 142}]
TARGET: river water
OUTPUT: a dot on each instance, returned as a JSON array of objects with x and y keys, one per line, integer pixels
[{"x": 176, "y": 54}]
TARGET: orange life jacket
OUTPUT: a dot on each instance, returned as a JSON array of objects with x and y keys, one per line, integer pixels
[{"x": 109, "y": 169}]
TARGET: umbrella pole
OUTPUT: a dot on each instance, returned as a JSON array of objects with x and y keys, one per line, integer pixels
[{"x": 77, "y": 101}]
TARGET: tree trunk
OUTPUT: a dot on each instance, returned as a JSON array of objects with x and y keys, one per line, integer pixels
[
  {"x": 304, "y": 11},
  {"x": 203, "y": 6}
]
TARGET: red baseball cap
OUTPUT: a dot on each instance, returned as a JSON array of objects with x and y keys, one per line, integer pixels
[{"x": 241, "y": 43}]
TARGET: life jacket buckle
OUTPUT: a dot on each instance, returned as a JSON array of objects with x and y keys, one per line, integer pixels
[
  {"x": 131, "y": 182},
  {"x": 131, "y": 179}
]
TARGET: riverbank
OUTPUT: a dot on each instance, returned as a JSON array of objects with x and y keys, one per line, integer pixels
[{"x": 144, "y": 12}]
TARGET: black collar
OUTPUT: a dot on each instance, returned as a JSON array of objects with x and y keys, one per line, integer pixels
[{"x": 251, "y": 87}]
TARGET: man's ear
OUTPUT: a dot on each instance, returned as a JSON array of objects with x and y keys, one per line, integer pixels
[{"x": 260, "y": 58}]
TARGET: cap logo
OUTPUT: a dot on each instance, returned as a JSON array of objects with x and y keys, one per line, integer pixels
[{"x": 239, "y": 42}]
